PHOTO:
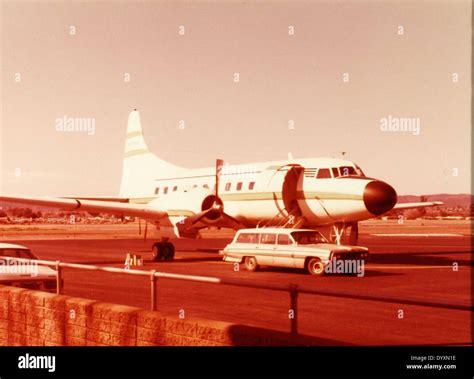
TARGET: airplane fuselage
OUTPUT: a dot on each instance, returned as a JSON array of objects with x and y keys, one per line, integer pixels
[{"x": 322, "y": 190}]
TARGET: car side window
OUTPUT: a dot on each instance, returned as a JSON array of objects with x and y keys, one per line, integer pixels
[
  {"x": 8, "y": 253},
  {"x": 284, "y": 239},
  {"x": 243, "y": 238},
  {"x": 247, "y": 238},
  {"x": 268, "y": 238},
  {"x": 26, "y": 254}
]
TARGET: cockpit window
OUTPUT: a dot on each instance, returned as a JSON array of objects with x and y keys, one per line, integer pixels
[
  {"x": 347, "y": 170},
  {"x": 323, "y": 173},
  {"x": 334, "y": 172},
  {"x": 359, "y": 170}
]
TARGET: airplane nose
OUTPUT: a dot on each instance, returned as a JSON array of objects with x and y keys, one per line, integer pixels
[{"x": 379, "y": 197}]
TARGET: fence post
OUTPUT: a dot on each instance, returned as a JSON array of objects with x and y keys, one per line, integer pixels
[
  {"x": 293, "y": 289},
  {"x": 153, "y": 290},
  {"x": 58, "y": 277}
]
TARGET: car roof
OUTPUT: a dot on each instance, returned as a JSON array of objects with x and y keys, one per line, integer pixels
[
  {"x": 274, "y": 230},
  {"x": 12, "y": 246}
]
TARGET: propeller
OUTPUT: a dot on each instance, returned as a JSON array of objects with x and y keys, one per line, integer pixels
[
  {"x": 219, "y": 164},
  {"x": 217, "y": 205},
  {"x": 212, "y": 209},
  {"x": 140, "y": 228}
]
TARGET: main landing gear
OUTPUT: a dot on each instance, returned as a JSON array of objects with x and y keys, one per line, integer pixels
[{"x": 163, "y": 250}]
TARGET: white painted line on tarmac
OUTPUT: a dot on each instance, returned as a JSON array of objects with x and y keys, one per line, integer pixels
[
  {"x": 417, "y": 235},
  {"x": 368, "y": 266}
]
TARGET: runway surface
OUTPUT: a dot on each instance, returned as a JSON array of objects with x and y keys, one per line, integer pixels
[{"x": 417, "y": 266}]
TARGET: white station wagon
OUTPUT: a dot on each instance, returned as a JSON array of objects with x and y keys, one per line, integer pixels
[
  {"x": 24, "y": 272},
  {"x": 296, "y": 248}
]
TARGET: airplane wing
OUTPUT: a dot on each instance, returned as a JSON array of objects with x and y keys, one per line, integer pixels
[
  {"x": 187, "y": 221},
  {"x": 99, "y": 198},
  {"x": 417, "y": 205},
  {"x": 119, "y": 207}
]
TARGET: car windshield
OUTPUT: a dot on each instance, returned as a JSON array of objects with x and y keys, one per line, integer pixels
[
  {"x": 17, "y": 253},
  {"x": 308, "y": 238}
]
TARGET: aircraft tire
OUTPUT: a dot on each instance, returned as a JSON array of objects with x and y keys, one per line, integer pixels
[
  {"x": 168, "y": 251},
  {"x": 157, "y": 251}
]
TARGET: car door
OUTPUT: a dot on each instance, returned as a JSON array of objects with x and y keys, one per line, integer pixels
[
  {"x": 267, "y": 249},
  {"x": 285, "y": 256}
]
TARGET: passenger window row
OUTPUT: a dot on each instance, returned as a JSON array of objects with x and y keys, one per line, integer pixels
[{"x": 239, "y": 186}]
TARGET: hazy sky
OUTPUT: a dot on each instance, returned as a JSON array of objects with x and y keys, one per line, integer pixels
[{"x": 404, "y": 59}]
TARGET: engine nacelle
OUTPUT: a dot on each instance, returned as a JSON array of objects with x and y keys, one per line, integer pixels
[
  {"x": 191, "y": 210},
  {"x": 185, "y": 204}
]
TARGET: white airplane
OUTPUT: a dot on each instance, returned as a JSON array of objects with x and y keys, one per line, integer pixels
[{"x": 327, "y": 194}]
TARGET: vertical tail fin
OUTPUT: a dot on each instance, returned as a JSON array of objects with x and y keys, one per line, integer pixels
[{"x": 140, "y": 167}]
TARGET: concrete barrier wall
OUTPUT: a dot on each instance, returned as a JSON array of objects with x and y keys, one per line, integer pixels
[{"x": 34, "y": 318}]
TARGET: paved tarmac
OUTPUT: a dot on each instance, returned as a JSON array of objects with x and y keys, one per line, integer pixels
[{"x": 412, "y": 263}]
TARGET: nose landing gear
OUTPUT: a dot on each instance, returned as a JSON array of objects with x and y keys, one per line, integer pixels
[{"x": 339, "y": 229}]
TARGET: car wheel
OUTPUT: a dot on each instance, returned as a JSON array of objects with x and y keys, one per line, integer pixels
[
  {"x": 157, "y": 251},
  {"x": 316, "y": 267},
  {"x": 251, "y": 264}
]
